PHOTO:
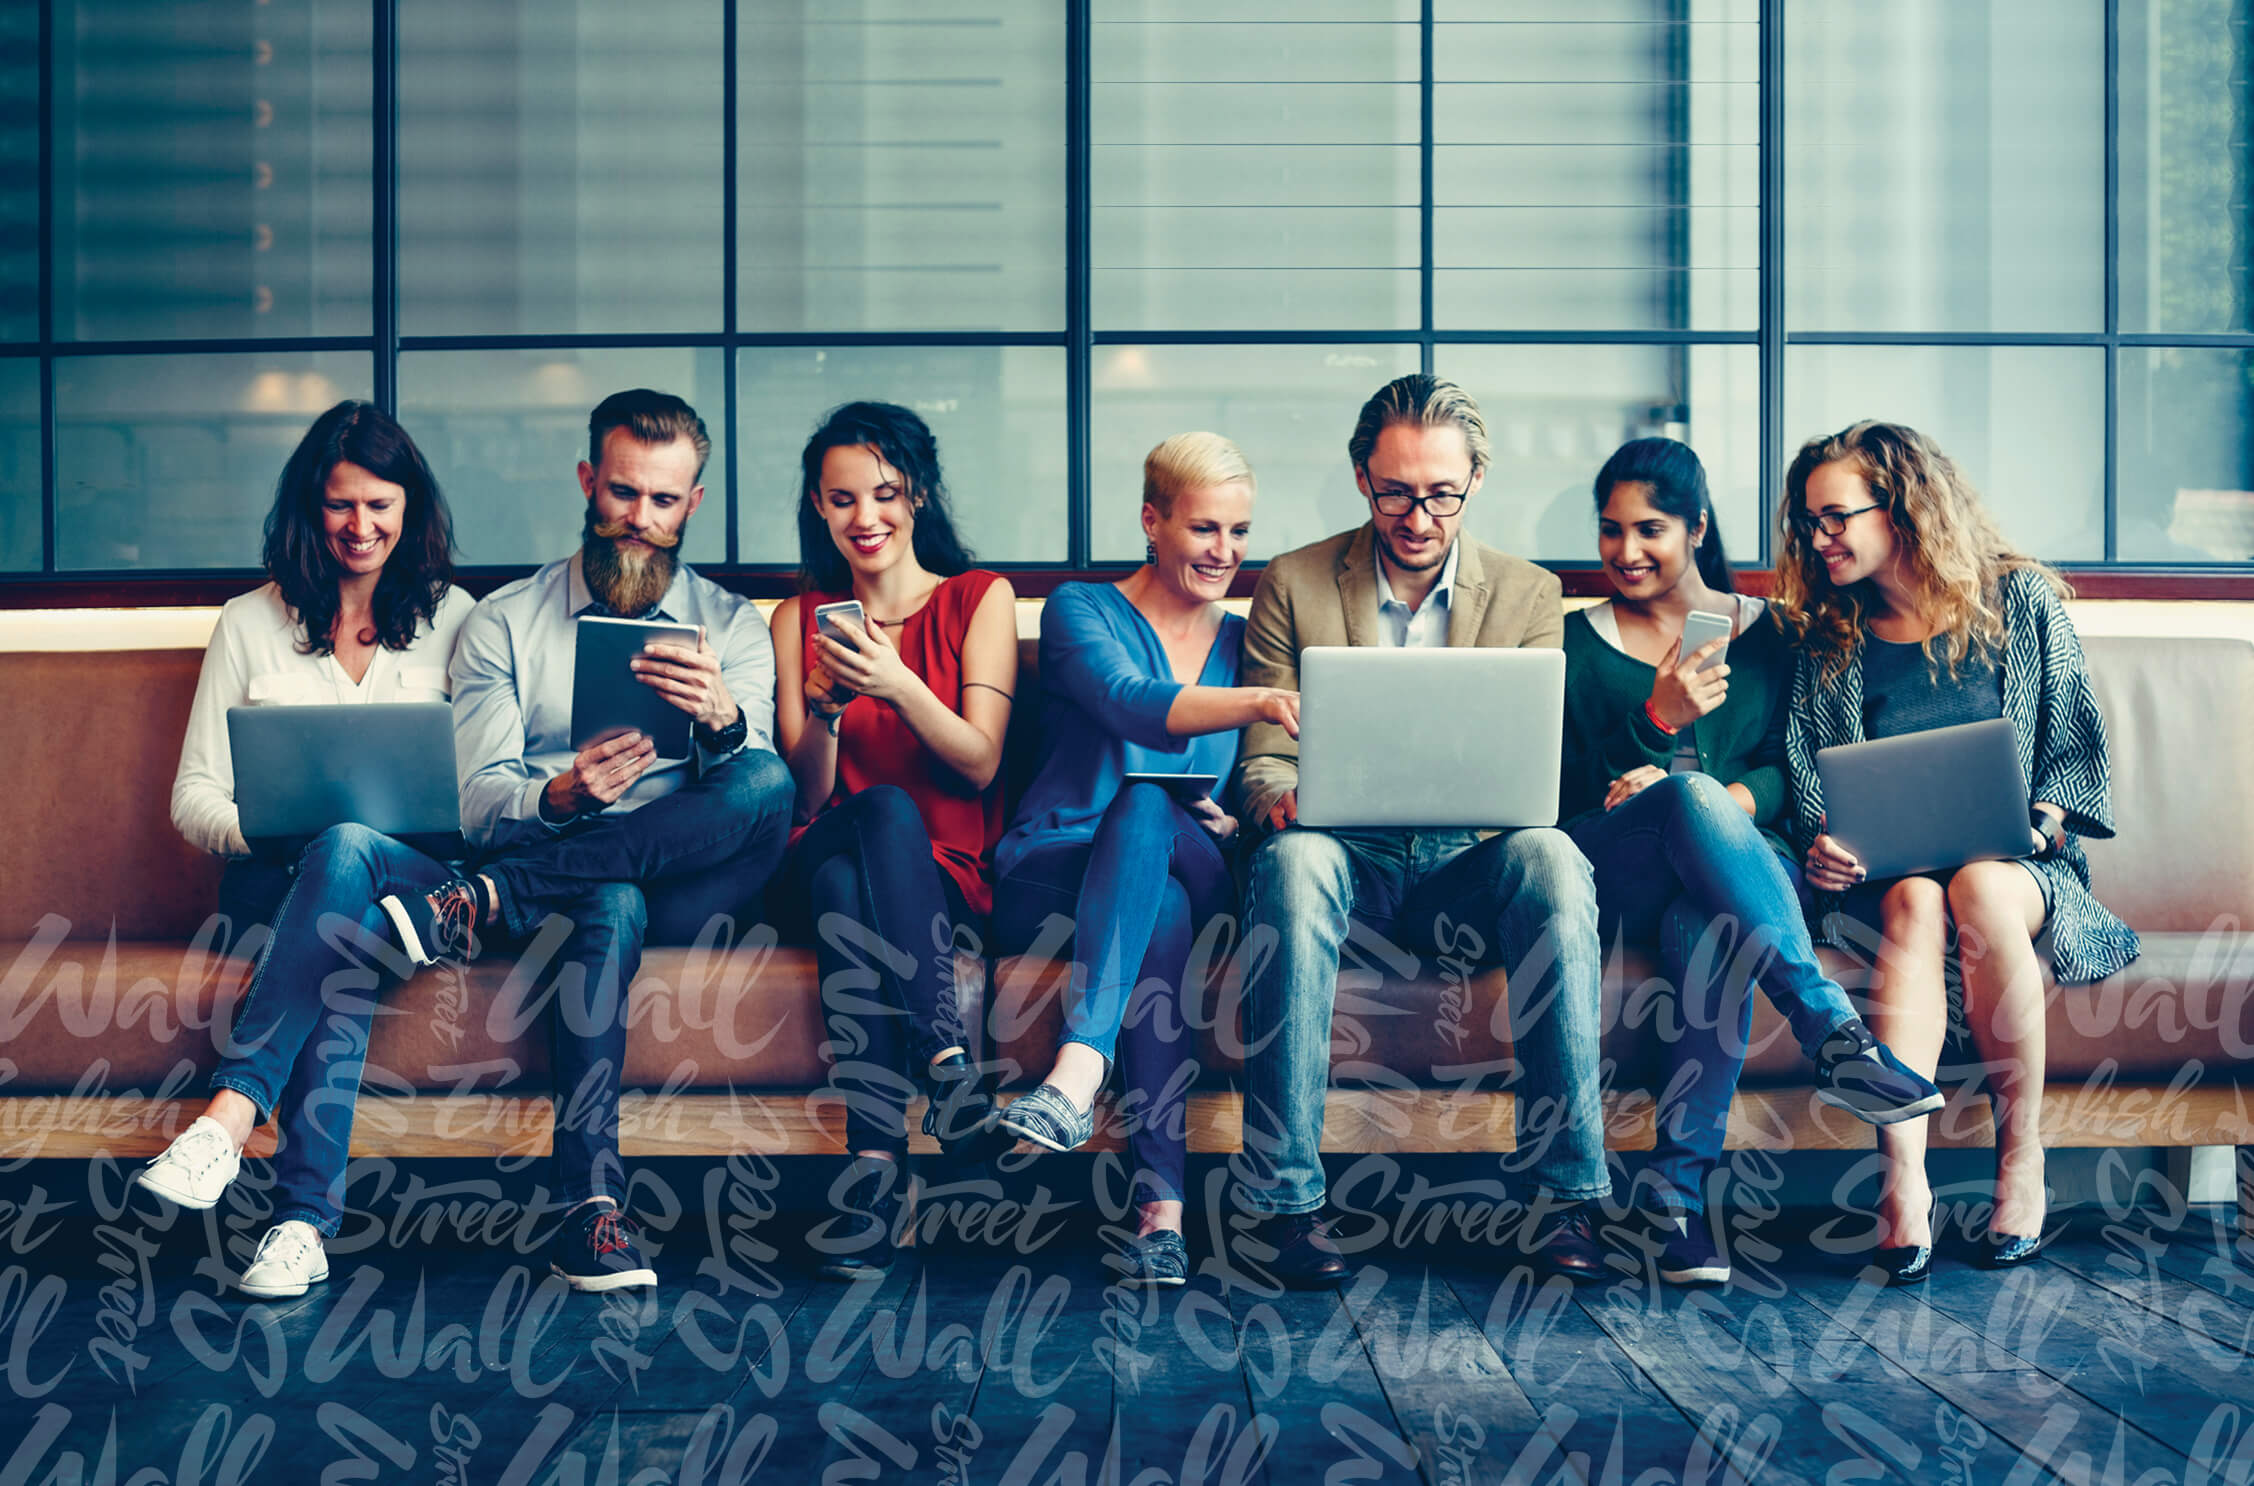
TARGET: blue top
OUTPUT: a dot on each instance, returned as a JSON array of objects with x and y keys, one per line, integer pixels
[{"x": 1106, "y": 689}]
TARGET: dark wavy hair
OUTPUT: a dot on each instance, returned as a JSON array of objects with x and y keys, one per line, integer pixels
[
  {"x": 1678, "y": 487},
  {"x": 413, "y": 581},
  {"x": 903, "y": 441}
]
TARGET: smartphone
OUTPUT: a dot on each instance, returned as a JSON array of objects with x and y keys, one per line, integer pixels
[
  {"x": 1702, "y": 628},
  {"x": 826, "y": 617}
]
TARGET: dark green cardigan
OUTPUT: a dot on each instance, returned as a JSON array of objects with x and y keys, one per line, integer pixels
[{"x": 1739, "y": 742}]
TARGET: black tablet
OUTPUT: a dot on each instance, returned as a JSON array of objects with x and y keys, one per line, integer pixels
[{"x": 608, "y": 698}]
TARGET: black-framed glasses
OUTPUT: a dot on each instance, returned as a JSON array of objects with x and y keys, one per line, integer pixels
[
  {"x": 1446, "y": 503},
  {"x": 1831, "y": 523}
]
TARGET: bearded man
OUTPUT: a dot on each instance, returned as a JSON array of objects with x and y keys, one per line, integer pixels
[{"x": 622, "y": 846}]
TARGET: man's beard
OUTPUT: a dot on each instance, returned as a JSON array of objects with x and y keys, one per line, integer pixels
[
  {"x": 1440, "y": 555},
  {"x": 628, "y": 580}
]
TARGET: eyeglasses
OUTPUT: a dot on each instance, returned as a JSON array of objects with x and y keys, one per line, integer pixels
[
  {"x": 1447, "y": 503},
  {"x": 1831, "y": 523}
]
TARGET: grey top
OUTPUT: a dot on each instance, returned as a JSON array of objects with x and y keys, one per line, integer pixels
[
  {"x": 512, "y": 693},
  {"x": 1904, "y": 692}
]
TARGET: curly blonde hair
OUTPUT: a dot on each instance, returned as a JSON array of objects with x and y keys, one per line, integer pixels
[{"x": 1952, "y": 554}]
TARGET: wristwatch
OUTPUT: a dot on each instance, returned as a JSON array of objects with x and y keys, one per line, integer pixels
[
  {"x": 727, "y": 739},
  {"x": 2051, "y": 828}
]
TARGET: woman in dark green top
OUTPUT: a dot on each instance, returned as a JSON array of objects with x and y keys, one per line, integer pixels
[{"x": 1671, "y": 772}]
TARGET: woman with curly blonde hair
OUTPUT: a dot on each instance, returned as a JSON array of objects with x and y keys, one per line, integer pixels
[{"x": 1911, "y": 612}]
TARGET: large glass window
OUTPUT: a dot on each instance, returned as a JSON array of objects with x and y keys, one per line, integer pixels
[
  {"x": 1945, "y": 165},
  {"x": 1065, "y": 229},
  {"x": 1253, "y": 176},
  {"x": 997, "y": 412},
  {"x": 19, "y": 174},
  {"x": 900, "y": 165},
  {"x": 170, "y": 461},
  {"x": 559, "y": 167},
  {"x": 1598, "y": 173},
  {"x": 2025, "y": 423},
  {"x": 213, "y": 169}
]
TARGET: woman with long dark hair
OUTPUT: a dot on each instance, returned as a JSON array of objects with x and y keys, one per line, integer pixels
[
  {"x": 1671, "y": 783},
  {"x": 893, "y": 727},
  {"x": 1912, "y": 612},
  {"x": 360, "y": 608}
]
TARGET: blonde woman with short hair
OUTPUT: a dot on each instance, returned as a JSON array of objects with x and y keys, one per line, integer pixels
[{"x": 1137, "y": 677}]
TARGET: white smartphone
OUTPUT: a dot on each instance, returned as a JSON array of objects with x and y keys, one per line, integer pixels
[
  {"x": 1702, "y": 628},
  {"x": 826, "y": 617}
]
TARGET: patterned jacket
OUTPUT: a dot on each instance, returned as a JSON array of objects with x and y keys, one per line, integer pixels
[{"x": 2062, "y": 752}]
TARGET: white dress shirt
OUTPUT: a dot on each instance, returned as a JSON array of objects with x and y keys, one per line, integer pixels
[
  {"x": 1427, "y": 628},
  {"x": 254, "y": 661},
  {"x": 512, "y": 693}
]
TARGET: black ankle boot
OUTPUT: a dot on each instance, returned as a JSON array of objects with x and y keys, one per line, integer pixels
[{"x": 961, "y": 1111}]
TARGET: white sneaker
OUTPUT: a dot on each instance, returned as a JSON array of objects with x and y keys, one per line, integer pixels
[
  {"x": 289, "y": 1258},
  {"x": 196, "y": 1167}
]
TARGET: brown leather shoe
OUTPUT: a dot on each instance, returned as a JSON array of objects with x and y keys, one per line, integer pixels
[
  {"x": 1568, "y": 1245},
  {"x": 1304, "y": 1258}
]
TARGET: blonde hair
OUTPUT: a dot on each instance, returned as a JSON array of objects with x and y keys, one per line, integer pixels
[
  {"x": 1192, "y": 461},
  {"x": 1953, "y": 556},
  {"x": 1419, "y": 398}
]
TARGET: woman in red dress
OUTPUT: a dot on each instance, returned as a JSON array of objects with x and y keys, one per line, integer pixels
[{"x": 893, "y": 728}]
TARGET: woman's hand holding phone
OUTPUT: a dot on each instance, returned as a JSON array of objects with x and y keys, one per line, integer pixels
[{"x": 1686, "y": 689}]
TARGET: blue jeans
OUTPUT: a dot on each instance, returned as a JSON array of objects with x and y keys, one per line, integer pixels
[
  {"x": 660, "y": 874},
  {"x": 1682, "y": 864},
  {"x": 1146, "y": 883},
  {"x": 300, "y": 1034},
  {"x": 1522, "y": 899}
]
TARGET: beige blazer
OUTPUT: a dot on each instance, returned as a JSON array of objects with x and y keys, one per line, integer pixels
[{"x": 1326, "y": 594}]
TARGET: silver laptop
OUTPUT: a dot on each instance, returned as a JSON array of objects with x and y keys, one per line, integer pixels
[
  {"x": 1454, "y": 737},
  {"x": 1927, "y": 801},
  {"x": 385, "y": 765}
]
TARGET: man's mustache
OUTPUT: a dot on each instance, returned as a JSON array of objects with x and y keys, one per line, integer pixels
[{"x": 613, "y": 530}]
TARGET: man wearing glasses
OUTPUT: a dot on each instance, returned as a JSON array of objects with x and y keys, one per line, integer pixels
[{"x": 1525, "y": 897}]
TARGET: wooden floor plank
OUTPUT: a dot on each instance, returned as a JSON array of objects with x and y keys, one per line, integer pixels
[
  {"x": 1451, "y": 1392},
  {"x": 1756, "y": 1421},
  {"x": 1611, "y": 1420},
  {"x": 1044, "y": 1403},
  {"x": 2208, "y": 1321},
  {"x": 1177, "y": 1381},
  {"x": 2059, "y": 1324},
  {"x": 910, "y": 1411},
  {"x": 1949, "y": 1425},
  {"x": 1309, "y": 1374}
]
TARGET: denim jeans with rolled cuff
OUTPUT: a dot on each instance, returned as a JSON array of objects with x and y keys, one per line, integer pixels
[
  {"x": 613, "y": 883},
  {"x": 1522, "y": 899},
  {"x": 1137, "y": 894},
  {"x": 1681, "y": 863},
  {"x": 299, "y": 1038}
]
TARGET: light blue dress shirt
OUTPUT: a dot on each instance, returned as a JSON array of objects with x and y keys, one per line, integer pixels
[
  {"x": 1427, "y": 629},
  {"x": 512, "y": 676}
]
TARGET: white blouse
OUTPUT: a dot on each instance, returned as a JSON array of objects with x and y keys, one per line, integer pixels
[{"x": 253, "y": 660}]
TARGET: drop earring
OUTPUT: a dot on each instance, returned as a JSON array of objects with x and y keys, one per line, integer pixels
[{"x": 1150, "y": 552}]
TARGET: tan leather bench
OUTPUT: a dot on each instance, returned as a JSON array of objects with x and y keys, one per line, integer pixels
[{"x": 114, "y": 979}]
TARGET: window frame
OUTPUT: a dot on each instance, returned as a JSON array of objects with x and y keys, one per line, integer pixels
[{"x": 51, "y": 587}]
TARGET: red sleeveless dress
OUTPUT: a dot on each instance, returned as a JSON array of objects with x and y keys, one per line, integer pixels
[{"x": 874, "y": 746}]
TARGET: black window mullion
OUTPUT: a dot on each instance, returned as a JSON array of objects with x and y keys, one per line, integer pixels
[
  {"x": 1771, "y": 272},
  {"x": 1079, "y": 341},
  {"x": 384, "y": 292},
  {"x": 728, "y": 325},
  {"x": 46, "y": 286},
  {"x": 1425, "y": 326},
  {"x": 2112, "y": 278}
]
